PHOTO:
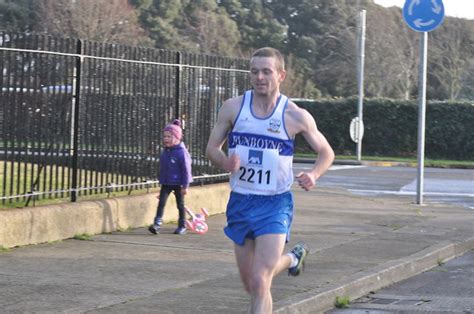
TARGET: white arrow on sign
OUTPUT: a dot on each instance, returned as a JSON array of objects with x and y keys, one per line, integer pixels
[
  {"x": 436, "y": 7},
  {"x": 420, "y": 23},
  {"x": 412, "y": 3}
]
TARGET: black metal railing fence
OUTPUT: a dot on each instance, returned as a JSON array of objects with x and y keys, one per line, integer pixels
[{"x": 80, "y": 117}]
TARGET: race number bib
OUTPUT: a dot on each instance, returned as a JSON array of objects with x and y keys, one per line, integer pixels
[{"x": 258, "y": 168}]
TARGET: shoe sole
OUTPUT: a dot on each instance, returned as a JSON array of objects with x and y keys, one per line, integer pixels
[{"x": 152, "y": 230}]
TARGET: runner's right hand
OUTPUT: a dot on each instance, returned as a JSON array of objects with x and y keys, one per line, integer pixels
[{"x": 232, "y": 163}]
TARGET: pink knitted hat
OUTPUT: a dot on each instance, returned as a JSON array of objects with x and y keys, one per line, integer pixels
[{"x": 175, "y": 129}]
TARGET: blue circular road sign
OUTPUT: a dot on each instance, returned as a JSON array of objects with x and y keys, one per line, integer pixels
[{"x": 423, "y": 15}]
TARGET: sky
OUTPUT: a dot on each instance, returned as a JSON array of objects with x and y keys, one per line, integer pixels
[{"x": 456, "y": 8}]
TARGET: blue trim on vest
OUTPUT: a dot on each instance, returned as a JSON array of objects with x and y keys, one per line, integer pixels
[
  {"x": 283, "y": 116},
  {"x": 268, "y": 116},
  {"x": 285, "y": 147},
  {"x": 240, "y": 110}
]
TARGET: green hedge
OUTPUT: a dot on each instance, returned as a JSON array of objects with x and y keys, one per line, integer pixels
[{"x": 391, "y": 127}]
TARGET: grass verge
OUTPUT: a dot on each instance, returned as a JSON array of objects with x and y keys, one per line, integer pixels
[{"x": 342, "y": 302}]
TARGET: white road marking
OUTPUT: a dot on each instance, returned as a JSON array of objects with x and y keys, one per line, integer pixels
[
  {"x": 341, "y": 167},
  {"x": 334, "y": 167},
  {"x": 409, "y": 193},
  {"x": 443, "y": 186}
]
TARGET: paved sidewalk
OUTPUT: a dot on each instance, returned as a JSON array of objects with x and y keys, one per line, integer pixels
[
  {"x": 445, "y": 289},
  {"x": 358, "y": 244}
]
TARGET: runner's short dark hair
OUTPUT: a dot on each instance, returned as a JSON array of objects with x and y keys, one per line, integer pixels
[{"x": 268, "y": 52}]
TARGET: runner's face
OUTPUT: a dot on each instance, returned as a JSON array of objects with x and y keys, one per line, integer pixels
[{"x": 264, "y": 75}]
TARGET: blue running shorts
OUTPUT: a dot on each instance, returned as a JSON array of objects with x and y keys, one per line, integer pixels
[{"x": 250, "y": 216}]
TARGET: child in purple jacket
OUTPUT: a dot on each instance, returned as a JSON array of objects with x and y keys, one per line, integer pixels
[{"x": 175, "y": 175}]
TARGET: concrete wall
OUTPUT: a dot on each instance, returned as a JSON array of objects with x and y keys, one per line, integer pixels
[{"x": 33, "y": 225}]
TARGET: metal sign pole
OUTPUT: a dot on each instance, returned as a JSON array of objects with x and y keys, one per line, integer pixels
[
  {"x": 360, "y": 83},
  {"x": 422, "y": 16},
  {"x": 421, "y": 115}
]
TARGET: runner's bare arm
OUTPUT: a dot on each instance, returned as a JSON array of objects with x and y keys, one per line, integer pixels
[
  {"x": 318, "y": 143},
  {"x": 218, "y": 136}
]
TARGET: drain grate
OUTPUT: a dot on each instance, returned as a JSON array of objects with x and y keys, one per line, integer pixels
[
  {"x": 411, "y": 302},
  {"x": 383, "y": 301},
  {"x": 396, "y": 301}
]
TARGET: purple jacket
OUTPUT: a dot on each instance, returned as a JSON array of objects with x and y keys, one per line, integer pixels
[{"x": 175, "y": 166}]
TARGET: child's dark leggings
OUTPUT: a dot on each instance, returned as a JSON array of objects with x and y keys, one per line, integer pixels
[{"x": 164, "y": 193}]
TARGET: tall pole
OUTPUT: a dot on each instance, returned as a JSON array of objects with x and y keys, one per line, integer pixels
[
  {"x": 74, "y": 149},
  {"x": 360, "y": 82},
  {"x": 421, "y": 115}
]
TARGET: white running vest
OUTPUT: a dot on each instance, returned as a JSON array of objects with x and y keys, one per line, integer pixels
[{"x": 264, "y": 148}]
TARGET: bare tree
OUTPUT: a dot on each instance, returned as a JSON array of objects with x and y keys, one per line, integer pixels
[
  {"x": 336, "y": 65},
  {"x": 391, "y": 55},
  {"x": 408, "y": 54},
  {"x": 97, "y": 20},
  {"x": 451, "y": 58}
]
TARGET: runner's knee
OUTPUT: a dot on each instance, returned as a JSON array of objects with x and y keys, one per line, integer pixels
[{"x": 260, "y": 284}]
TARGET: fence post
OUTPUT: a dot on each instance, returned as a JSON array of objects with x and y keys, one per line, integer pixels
[
  {"x": 75, "y": 120},
  {"x": 178, "y": 86}
]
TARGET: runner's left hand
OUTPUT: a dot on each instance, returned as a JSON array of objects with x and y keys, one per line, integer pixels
[{"x": 306, "y": 180}]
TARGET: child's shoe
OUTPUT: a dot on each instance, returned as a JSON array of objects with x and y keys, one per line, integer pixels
[
  {"x": 154, "y": 228},
  {"x": 180, "y": 230}
]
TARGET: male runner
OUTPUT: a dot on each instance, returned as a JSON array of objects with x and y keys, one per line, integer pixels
[{"x": 260, "y": 127}]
